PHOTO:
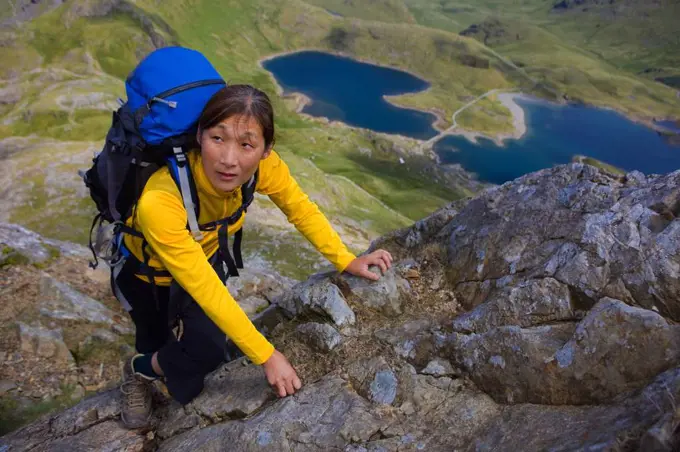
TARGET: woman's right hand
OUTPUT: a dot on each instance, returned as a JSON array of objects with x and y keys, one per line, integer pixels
[{"x": 281, "y": 375}]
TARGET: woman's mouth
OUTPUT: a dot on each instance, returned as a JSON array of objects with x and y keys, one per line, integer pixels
[{"x": 226, "y": 176}]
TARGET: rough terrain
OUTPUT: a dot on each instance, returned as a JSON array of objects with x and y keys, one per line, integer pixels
[{"x": 540, "y": 315}]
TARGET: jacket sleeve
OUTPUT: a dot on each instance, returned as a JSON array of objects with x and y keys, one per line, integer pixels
[
  {"x": 276, "y": 181},
  {"x": 163, "y": 220}
]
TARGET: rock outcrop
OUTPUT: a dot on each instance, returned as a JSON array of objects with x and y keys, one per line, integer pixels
[
  {"x": 540, "y": 315},
  {"x": 63, "y": 335}
]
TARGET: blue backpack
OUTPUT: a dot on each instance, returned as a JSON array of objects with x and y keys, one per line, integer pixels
[{"x": 157, "y": 126}]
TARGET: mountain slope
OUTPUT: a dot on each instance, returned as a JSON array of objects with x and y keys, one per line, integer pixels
[
  {"x": 489, "y": 332},
  {"x": 64, "y": 68}
]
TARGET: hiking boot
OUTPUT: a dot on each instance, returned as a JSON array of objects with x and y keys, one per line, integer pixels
[{"x": 136, "y": 389}]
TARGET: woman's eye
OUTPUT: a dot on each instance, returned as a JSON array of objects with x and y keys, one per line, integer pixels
[
  {"x": 217, "y": 138},
  {"x": 247, "y": 145}
]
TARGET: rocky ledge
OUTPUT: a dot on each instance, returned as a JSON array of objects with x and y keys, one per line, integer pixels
[{"x": 540, "y": 315}]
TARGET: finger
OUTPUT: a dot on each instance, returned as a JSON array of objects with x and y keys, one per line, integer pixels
[
  {"x": 382, "y": 252},
  {"x": 289, "y": 387},
  {"x": 383, "y": 266},
  {"x": 387, "y": 261},
  {"x": 281, "y": 389},
  {"x": 297, "y": 384},
  {"x": 365, "y": 273},
  {"x": 389, "y": 256}
]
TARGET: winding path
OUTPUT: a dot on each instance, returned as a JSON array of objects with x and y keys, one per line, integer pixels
[{"x": 454, "y": 126}]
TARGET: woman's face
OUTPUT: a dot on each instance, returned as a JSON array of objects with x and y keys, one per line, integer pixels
[{"x": 232, "y": 151}]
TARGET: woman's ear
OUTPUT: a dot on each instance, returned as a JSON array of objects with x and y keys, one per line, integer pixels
[
  {"x": 198, "y": 137},
  {"x": 267, "y": 151}
]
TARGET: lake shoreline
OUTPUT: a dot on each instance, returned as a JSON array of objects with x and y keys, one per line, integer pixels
[
  {"x": 438, "y": 123},
  {"x": 273, "y": 56},
  {"x": 507, "y": 99}
]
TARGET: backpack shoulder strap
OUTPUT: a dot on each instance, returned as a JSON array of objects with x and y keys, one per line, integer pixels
[
  {"x": 248, "y": 191},
  {"x": 181, "y": 173}
]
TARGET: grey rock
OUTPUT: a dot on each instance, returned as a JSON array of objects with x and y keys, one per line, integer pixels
[
  {"x": 104, "y": 335},
  {"x": 264, "y": 283},
  {"x": 265, "y": 321},
  {"x": 599, "y": 235},
  {"x": 177, "y": 421},
  {"x": 109, "y": 436},
  {"x": 320, "y": 335},
  {"x": 383, "y": 388},
  {"x": 616, "y": 426},
  {"x": 529, "y": 303},
  {"x": 439, "y": 368},
  {"x": 385, "y": 295},
  {"x": 325, "y": 415},
  {"x": 412, "y": 340},
  {"x": 253, "y": 305},
  {"x": 45, "y": 343},
  {"x": 444, "y": 419},
  {"x": 61, "y": 301},
  {"x": 616, "y": 348},
  {"x": 60, "y": 428},
  {"x": 34, "y": 247},
  {"x": 374, "y": 379},
  {"x": 233, "y": 391},
  {"x": 571, "y": 277},
  {"x": 318, "y": 297}
]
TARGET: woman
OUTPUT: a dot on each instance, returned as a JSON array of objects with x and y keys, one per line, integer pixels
[{"x": 236, "y": 138}]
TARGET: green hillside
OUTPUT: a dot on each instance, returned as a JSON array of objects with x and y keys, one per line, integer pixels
[
  {"x": 64, "y": 68},
  {"x": 640, "y": 37}
]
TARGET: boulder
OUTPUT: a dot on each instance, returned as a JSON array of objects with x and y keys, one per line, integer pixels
[
  {"x": 374, "y": 379},
  {"x": 321, "y": 336},
  {"x": 385, "y": 295},
  {"x": 34, "y": 247},
  {"x": 45, "y": 343},
  {"x": 232, "y": 392},
  {"x": 325, "y": 415},
  {"x": 61, "y": 301},
  {"x": 318, "y": 296},
  {"x": 614, "y": 349}
]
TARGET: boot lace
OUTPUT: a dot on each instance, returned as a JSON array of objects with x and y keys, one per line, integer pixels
[{"x": 135, "y": 392}]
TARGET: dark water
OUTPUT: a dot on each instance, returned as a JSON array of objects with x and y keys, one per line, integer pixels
[
  {"x": 350, "y": 91},
  {"x": 557, "y": 133},
  {"x": 673, "y": 81},
  {"x": 671, "y": 126}
]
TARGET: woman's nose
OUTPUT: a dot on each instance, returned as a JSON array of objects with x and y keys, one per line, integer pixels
[{"x": 229, "y": 155}]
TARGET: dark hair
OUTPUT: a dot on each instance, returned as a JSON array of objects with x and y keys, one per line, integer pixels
[{"x": 239, "y": 100}]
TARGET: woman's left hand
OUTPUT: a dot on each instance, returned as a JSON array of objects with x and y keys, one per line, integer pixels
[{"x": 359, "y": 266}]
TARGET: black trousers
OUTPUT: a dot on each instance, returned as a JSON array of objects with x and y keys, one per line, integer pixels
[{"x": 201, "y": 347}]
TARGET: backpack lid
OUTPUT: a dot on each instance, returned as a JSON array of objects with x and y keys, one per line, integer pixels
[{"x": 168, "y": 90}]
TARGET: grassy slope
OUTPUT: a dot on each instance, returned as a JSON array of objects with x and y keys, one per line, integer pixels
[
  {"x": 632, "y": 34},
  {"x": 593, "y": 55},
  {"x": 379, "y": 10},
  {"x": 70, "y": 76},
  {"x": 71, "y": 83}
]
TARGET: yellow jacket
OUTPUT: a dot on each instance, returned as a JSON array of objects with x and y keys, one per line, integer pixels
[{"x": 161, "y": 217}]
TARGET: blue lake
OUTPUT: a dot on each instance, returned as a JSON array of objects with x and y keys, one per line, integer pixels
[
  {"x": 347, "y": 90},
  {"x": 351, "y": 91},
  {"x": 556, "y": 133}
]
